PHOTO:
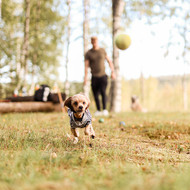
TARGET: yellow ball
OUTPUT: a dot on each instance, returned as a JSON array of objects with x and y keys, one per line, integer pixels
[{"x": 123, "y": 41}]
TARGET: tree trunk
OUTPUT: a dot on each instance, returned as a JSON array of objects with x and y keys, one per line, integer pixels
[
  {"x": 185, "y": 50},
  {"x": 86, "y": 6},
  {"x": 35, "y": 55},
  {"x": 185, "y": 96},
  {"x": 18, "y": 64},
  {"x": 24, "y": 51},
  {"x": 0, "y": 10},
  {"x": 67, "y": 85},
  {"x": 142, "y": 87},
  {"x": 117, "y": 9}
]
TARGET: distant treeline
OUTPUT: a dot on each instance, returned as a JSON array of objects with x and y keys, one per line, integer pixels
[{"x": 157, "y": 94}]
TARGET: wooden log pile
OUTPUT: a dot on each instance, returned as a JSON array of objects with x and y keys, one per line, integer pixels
[
  {"x": 7, "y": 107},
  {"x": 28, "y": 104}
]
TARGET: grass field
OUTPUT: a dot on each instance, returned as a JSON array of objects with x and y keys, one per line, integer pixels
[{"x": 151, "y": 152}]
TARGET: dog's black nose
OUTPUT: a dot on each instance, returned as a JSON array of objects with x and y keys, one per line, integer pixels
[{"x": 80, "y": 107}]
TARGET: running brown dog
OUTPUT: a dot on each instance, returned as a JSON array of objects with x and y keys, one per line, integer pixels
[{"x": 80, "y": 116}]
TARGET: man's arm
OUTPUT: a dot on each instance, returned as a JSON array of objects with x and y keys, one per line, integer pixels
[
  {"x": 111, "y": 67},
  {"x": 86, "y": 66}
]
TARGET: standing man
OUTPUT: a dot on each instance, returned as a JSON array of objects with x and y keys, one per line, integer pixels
[{"x": 95, "y": 58}]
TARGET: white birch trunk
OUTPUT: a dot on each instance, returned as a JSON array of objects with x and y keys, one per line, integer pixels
[
  {"x": 18, "y": 64},
  {"x": 117, "y": 9},
  {"x": 86, "y": 6},
  {"x": 142, "y": 87},
  {"x": 185, "y": 96},
  {"x": 35, "y": 55},
  {"x": 24, "y": 51},
  {"x": 67, "y": 85},
  {"x": 185, "y": 50},
  {"x": 0, "y": 9}
]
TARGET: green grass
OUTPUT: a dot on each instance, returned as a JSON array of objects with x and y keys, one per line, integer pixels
[{"x": 151, "y": 152}]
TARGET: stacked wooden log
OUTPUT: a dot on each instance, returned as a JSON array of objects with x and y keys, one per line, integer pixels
[
  {"x": 7, "y": 107},
  {"x": 27, "y": 104}
]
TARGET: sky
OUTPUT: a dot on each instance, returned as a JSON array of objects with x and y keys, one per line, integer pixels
[{"x": 146, "y": 53}]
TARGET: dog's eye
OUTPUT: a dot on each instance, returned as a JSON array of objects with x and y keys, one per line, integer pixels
[
  {"x": 84, "y": 102},
  {"x": 75, "y": 103}
]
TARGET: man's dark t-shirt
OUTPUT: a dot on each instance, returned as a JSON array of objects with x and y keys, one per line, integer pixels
[{"x": 96, "y": 61}]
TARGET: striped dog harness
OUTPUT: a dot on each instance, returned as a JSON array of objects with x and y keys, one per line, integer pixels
[{"x": 79, "y": 122}]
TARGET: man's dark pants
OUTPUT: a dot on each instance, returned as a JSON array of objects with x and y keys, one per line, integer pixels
[{"x": 99, "y": 85}]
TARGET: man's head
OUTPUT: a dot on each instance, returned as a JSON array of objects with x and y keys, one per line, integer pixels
[{"x": 94, "y": 42}]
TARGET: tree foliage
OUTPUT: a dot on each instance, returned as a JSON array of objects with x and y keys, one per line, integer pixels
[{"x": 46, "y": 30}]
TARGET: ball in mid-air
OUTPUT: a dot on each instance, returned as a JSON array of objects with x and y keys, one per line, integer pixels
[{"x": 123, "y": 41}]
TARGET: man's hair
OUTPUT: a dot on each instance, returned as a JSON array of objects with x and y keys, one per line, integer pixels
[{"x": 94, "y": 38}]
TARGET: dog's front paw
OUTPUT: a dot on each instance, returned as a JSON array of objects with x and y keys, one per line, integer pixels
[{"x": 75, "y": 140}]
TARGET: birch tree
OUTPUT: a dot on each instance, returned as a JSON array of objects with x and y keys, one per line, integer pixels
[
  {"x": 35, "y": 54},
  {"x": 117, "y": 9},
  {"x": 67, "y": 46},
  {"x": 0, "y": 9},
  {"x": 45, "y": 27},
  {"x": 86, "y": 8},
  {"x": 24, "y": 51},
  {"x": 179, "y": 14},
  {"x": 184, "y": 34},
  {"x": 141, "y": 80}
]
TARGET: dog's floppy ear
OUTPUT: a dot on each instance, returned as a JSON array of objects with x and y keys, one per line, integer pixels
[
  {"x": 88, "y": 103},
  {"x": 68, "y": 103}
]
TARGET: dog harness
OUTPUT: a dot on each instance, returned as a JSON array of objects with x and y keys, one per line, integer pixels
[{"x": 79, "y": 122}]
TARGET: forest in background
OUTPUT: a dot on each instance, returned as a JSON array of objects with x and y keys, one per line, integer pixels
[
  {"x": 35, "y": 38},
  {"x": 159, "y": 94},
  {"x": 163, "y": 94}
]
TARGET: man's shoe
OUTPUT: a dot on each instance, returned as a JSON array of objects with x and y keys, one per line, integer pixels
[
  {"x": 97, "y": 113},
  {"x": 105, "y": 112}
]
